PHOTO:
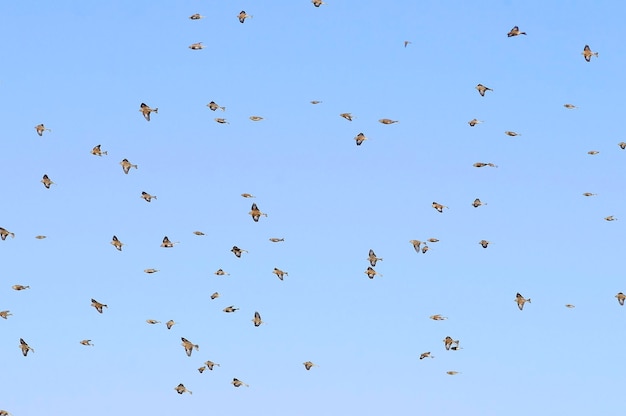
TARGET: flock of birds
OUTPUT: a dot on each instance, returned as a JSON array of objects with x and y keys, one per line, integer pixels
[{"x": 419, "y": 246}]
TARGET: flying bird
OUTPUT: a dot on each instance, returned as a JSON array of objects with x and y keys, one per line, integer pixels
[
  {"x": 347, "y": 116},
  {"x": 477, "y": 203},
  {"x": 153, "y": 321},
  {"x": 387, "y": 121},
  {"x": 221, "y": 272},
  {"x": 189, "y": 346},
  {"x": 511, "y": 133},
  {"x": 622, "y": 145},
  {"x": 146, "y": 110},
  {"x": 96, "y": 151},
  {"x": 588, "y": 53},
  {"x": 569, "y": 306},
  {"x": 230, "y": 309},
  {"x": 592, "y": 152},
  {"x": 20, "y": 287},
  {"x": 40, "y": 129},
  {"x": 180, "y": 389},
  {"x": 317, "y": 3},
  {"x": 482, "y": 89},
  {"x": 370, "y": 272},
  {"x": 416, "y": 244},
  {"x": 25, "y": 347},
  {"x": 439, "y": 207},
  {"x": 238, "y": 383},
  {"x": 309, "y": 364},
  {"x": 215, "y": 295},
  {"x": 198, "y": 233},
  {"x": 360, "y": 138},
  {"x": 5, "y": 233},
  {"x": 5, "y": 314},
  {"x": 46, "y": 181},
  {"x": 237, "y": 251},
  {"x": 40, "y": 237},
  {"x": 117, "y": 243},
  {"x": 482, "y": 165},
  {"x": 196, "y": 46},
  {"x": 150, "y": 271},
  {"x": 167, "y": 243},
  {"x": 196, "y": 16},
  {"x": 406, "y": 42},
  {"x": 452, "y": 373},
  {"x": 438, "y": 317},
  {"x": 515, "y": 32},
  {"x": 169, "y": 324},
  {"x": 521, "y": 301},
  {"x": 256, "y": 213},
  {"x": 448, "y": 341},
  {"x": 425, "y": 249},
  {"x": 569, "y": 106},
  {"x": 314, "y": 102},
  {"x": 610, "y": 218},
  {"x": 213, "y": 106},
  {"x": 280, "y": 273},
  {"x": 589, "y": 194},
  {"x": 474, "y": 122},
  {"x": 221, "y": 120},
  {"x": 620, "y": 298},
  {"x": 484, "y": 243},
  {"x": 255, "y": 118},
  {"x": 372, "y": 258},
  {"x": 209, "y": 364},
  {"x": 243, "y": 16},
  {"x": 147, "y": 197},
  {"x": 86, "y": 342},
  {"x": 248, "y": 195},
  {"x": 277, "y": 240},
  {"x": 257, "y": 319},
  {"x": 426, "y": 355},
  {"x": 98, "y": 305},
  {"x": 126, "y": 165}
]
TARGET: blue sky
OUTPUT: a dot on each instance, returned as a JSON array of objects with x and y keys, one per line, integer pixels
[{"x": 83, "y": 69}]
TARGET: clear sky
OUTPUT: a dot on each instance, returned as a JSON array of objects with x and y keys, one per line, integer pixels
[{"x": 83, "y": 69}]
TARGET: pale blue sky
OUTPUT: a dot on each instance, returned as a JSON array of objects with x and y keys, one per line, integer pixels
[{"x": 83, "y": 68}]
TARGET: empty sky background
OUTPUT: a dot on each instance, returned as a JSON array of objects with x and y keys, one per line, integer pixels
[{"x": 83, "y": 68}]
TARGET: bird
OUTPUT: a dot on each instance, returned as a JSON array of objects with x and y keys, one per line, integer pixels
[
  {"x": 126, "y": 165},
  {"x": 370, "y": 272},
  {"x": 98, "y": 305},
  {"x": 167, "y": 243},
  {"x": 5, "y": 314},
  {"x": 215, "y": 295},
  {"x": 198, "y": 233},
  {"x": 484, "y": 243},
  {"x": 221, "y": 272},
  {"x": 317, "y": 3},
  {"x": 406, "y": 42},
  {"x": 448, "y": 341},
  {"x": 610, "y": 218},
  {"x": 243, "y": 16},
  {"x": 372, "y": 258},
  {"x": 569, "y": 305},
  {"x": 592, "y": 152},
  {"x": 279, "y": 273},
  {"x": 5, "y": 413},
  {"x": 237, "y": 251},
  {"x": 426, "y": 355},
  {"x": 96, "y": 151},
  {"x": 255, "y": 118},
  {"x": 257, "y": 319},
  {"x": 46, "y": 181},
  {"x": 189, "y": 346},
  {"x": 588, "y": 53},
  {"x": 150, "y": 271},
  {"x": 153, "y": 321},
  {"x": 146, "y": 110},
  {"x": 276, "y": 240},
  {"x": 387, "y": 121},
  {"x": 40, "y": 237},
  {"x": 248, "y": 195},
  {"x": 622, "y": 145},
  {"x": 209, "y": 364},
  {"x": 515, "y": 32},
  {"x": 474, "y": 122},
  {"x": 196, "y": 16},
  {"x": 314, "y": 102},
  {"x": 588, "y": 194},
  {"x": 180, "y": 389},
  {"x": 425, "y": 249},
  {"x": 482, "y": 89},
  {"x": 201, "y": 369},
  {"x": 256, "y": 213},
  {"x": 221, "y": 120},
  {"x": 438, "y": 317},
  {"x": 213, "y": 106},
  {"x": 86, "y": 342},
  {"x": 477, "y": 203},
  {"x": 452, "y": 373},
  {"x": 169, "y": 324},
  {"x": 482, "y": 165},
  {"x": 569, "y": 106},
  {"x": 25, "y": 347},
  {"x": 511, "y": 133},
  {"x": 40, "y": 129},
  {"x": 521, "y": 301},
  {"x": 147, "y": 196},
  {"x": 5, "y": 233},
  {"x": 309, "y": 364},
  {"x": 238, "y": 383},
  {"x": 416, "y": 244},
  {"x": 230, "y": 309},
  {"x": 20, "y": 287},
  {"x": 117, "y": 243},
  {"x": 433, "y": 240},
  {"x": 196, "y": 46},
  {"x": 360, "y": 138},
  {"x": 620, "y": 298},
  {"x": 347, "y": 116},
  {"x": 439, "y": 207}
]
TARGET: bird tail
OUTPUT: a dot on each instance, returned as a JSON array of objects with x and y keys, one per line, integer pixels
[
  {"x": 156, "y": 110},
  {"x": 528, "y": 300}
]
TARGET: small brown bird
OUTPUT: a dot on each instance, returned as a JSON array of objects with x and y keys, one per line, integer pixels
[
  {"x": 169, "y": 324},
  {"x": 416, "y": 244},
  {"x": 230, "y": 309},
  {"x": 474, "y": 122},
  {"x": 180, "y": 389},
  {"x": 425, "y": 355},
  {"x": 213, "y": 106},
  {"x": 198, "y": 233},
  {"x": 153, "y": 321},
  {"x": 347, "y": 116},
  {"x": 515, "y": 32},
  {"x": 237, "y": 251},
  {"x": 588, "y": 53},
  {"x": 255, "y": 118},
  {"x": 189, "y": 346},
  {"x": 622, "y": 145},
  {"x": 98, "y": 305},
  {"x": 309, "y": 364},
  {"x": 387, "y": 121},
  {"x": 438, "y": 317},
  {"x": 425, "y": 249},
  {"x": 40, "y": 237},
  {"x": 5, "y": 314},
  {"x": 215, "y": 295},
  {"x": 196, "y": 16},
  {"x": 5, "y": 233},
  {"x": 256, "y": 213},
  {"x": 221, "y": 120},
  {"x": 569, "y": 306},
  {"x": 477, "y": 203},
  {"x": 167, "y": 243},
  {"x": 201, "y": 369},
  {"x": 406, "y": 42},
  {"x": 243, "y": 16},
  {"x": 448, "y": 341},
  {"x": 40, "y": 129},
  {"x": 46, "y": 181},
  {"x": 238, "y": 383},
  {"x": 210, "y": 364},
  {"x": 521, "y": 301},
  {"x": 433, "y": 240},
  {"x": 126, "y": 165},
  {"x": 147, "y": 196},
  {"x": 610, "y": 218},
  {"x": 484, "y": 243},
  {"x": 589, "y": 194},
  {"x": 511, "y": 133},
  {"x": 257, "y": 319},
  {"x": 452, "y": 373},
  {"x": 439, "y": 207},
  {"x": 146, "y": 110},
  {"x": 221, "y": 272},
  {"x": 317, "y": 3},
  {"x": 196, "y": 46},
  {"x": 86, "y": 342},
  {"x": 20, "y": 287},
  {"x": 370, "y": 272},
  {"x": 620, "y": 298},
  {"x": 592, "y": 152},
  {"x": 276, "y": 240},
  {"x": 5, "y": 413},
  {"x": 248, "y": 196},
  {"x": 117, "y": 243},
  {"x": 150, "y": 271},
  {"x": 569, "y": 106},
  {"x": 314, "y": 102},
  {"x": 372, "y": 258},
  {"x": 482, "y": 165},
  {"x": 25, "y": 347},
  {"x": 482, "y": 89},
  {"x": 280, "y": 273},
  {"x": 360, "y": 138},
  {"x": 96, "y": 151}
]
